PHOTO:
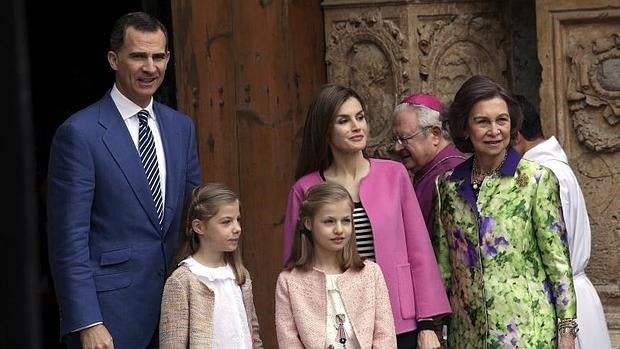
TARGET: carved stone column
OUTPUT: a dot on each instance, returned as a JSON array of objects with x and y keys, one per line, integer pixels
[
  {"x": 579, "y": 50},
  {"x": 387, "y": 49}
]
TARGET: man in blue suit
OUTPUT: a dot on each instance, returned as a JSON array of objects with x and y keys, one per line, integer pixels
[{"x": 114, "y": 210}]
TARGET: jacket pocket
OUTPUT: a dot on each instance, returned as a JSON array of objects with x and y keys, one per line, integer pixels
[
  {"x": 405, "y": 291},
  {"x": 115, "y": 257},
  {"x": 113, "y": 271}
]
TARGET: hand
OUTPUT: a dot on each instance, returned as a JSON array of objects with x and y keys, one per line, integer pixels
[
  {"x": 427, "y": 339},
  {"x": 96, "y": 337},
  {"x": 566, "y": 342}
]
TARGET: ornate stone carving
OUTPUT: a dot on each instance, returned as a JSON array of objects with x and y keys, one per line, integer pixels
[
  {"x": 579, "y": 51},
  {"x": 452, "y": 48},
  {"x": 593, "y": 92},
  {"x": 368, "y": 53},
  {"x": 597, "y": 178}
]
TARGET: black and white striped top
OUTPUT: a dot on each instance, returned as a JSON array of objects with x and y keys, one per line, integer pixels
[{"x": 363, "y": 232}]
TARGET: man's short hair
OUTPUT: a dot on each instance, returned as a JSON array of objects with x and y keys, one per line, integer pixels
[{"x": 531, "y": 128}]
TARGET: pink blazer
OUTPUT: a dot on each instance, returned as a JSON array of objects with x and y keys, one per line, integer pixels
[
  {"x": 403, "y": 248},
  {"x": 301, "y": 305}
]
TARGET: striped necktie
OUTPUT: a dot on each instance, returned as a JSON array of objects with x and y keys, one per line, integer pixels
[{"x": 146, "y": 147}]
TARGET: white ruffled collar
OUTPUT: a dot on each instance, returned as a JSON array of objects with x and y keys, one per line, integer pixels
[{"x": 212, "y": 274}]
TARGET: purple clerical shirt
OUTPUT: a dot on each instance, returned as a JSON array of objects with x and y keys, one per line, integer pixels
[{"x": 424, "y": 180}]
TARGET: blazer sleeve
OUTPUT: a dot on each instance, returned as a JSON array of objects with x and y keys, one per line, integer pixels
[
  {"x": 295, "y": 197},
  {"x": 71, "y": 185},
  {"x": 251, "y": 312},
  {"x": 551, "y": 237},
  {"x": 384, "y": 335},
  {"x": 428, "y": 289},
  {"x": 286, "y": 329},
  {"x": 194, "y": 177},
  {"x": 174, "y": 318}
]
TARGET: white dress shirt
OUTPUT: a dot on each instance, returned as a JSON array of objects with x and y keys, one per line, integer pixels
[{"x": 129, "y": 111}]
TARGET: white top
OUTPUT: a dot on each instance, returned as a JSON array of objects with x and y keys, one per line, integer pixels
[
  {"x": 230, "y": 322},
  {"x": 590, "y": 316},
  {"x": 129, "y": 111},
  {"x": 335, "y": 307}
]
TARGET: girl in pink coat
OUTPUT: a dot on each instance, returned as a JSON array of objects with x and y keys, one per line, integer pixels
[{"x": 327, "y": 297}]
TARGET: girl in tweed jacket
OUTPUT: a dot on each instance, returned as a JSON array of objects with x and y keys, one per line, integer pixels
[
  {"x": 207, "y": 301},
  {"x": 327, "y": 297}
]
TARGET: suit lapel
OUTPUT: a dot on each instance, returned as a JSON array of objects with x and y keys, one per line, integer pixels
[
  {"x": 171, "y": 140},
  {"x": 118, "y": 141}
]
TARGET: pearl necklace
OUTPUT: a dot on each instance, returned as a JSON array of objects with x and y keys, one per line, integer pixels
[{"x": 478, "y": 175}]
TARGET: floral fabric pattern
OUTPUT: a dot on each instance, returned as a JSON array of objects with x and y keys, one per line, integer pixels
[{"x": 504, "y": 257}]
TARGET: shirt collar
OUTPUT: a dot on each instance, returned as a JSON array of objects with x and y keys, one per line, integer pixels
[
  {"x": 126, "y": 107},
  {"x": 211, "y": 274}
]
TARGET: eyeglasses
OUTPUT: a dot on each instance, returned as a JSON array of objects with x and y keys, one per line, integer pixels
[{"x": 403, "y": 140}]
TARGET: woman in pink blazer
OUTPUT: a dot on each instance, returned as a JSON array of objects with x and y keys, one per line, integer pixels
[{"x": 389, "y": 225}]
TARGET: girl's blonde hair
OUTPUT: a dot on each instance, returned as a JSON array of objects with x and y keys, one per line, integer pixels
[
  {"x": 303, "y": 247},
  {"x": 203, "y": 204}
]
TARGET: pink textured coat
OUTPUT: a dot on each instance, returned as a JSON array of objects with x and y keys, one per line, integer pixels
[
  {"x": 402, "y": 245},
  {"x": 301, "y": 306}
]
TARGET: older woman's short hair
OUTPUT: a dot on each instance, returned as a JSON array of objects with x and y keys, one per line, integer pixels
[{"x": 475, "y": 89}]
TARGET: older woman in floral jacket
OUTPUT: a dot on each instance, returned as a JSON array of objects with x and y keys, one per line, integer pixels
[{"x": 501, "y": 242}]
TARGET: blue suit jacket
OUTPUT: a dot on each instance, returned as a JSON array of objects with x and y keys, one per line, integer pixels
[{"x": 108, "y": 255}]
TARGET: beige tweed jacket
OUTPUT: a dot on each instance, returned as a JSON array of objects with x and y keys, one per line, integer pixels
[
  {"x": 301, "y": 307},
  {"x": 187, "y": 312}
]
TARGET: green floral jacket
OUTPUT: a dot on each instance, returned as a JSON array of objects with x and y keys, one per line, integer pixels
[{"x": 504, "y": 256}]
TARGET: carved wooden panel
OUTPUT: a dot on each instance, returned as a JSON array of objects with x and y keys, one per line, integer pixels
[
  {"x": 386, "y": 50},
  {"x": 579, "y": 49}
]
